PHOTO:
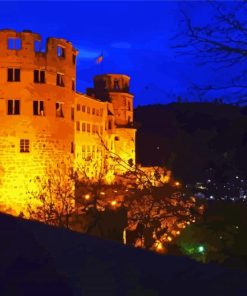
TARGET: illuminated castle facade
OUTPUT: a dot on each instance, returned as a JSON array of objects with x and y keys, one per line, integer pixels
[{"x": 44, "y": 121}]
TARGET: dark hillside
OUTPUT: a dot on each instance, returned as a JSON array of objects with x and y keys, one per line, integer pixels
[
  {"x": 190, "y": 138},
  {"x": 41, "y": 260}
]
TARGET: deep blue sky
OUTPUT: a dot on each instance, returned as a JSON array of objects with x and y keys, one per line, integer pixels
[{"x": 135, "y": 37}]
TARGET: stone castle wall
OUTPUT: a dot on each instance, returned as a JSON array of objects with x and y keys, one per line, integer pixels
[
  {"x": 50, "y": 137},
  {"x": 86, "y": 131}
]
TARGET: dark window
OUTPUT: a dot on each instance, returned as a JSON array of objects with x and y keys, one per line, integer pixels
[
  {"x": 129, "y": 106},
  {"x": 13, "y": 107},
  {"x": 38, "y": 108},
  {"x": 39, "y": 76},
  {"x": 14, "y": 43},
  {"x": 72, "y": 148},
  {"x": 109, "y": 124},
  {"x": 116, "y": 84},
  {"x": 60, "y": 79},
  {"x": 78, "y": 126},
  {"x": 14, "y": 74},
  {"x": 116, "y": 138},
  {"x": 78, "y": 107},
  {"x": 83, "y": 126},
  {"x": 24, "y": 145},
  {"x": 61, "y": 52},
  {"x": 59, "y": 109},
  {"x": 73, "y": 84},
  {"x": 73, "y": 58}
]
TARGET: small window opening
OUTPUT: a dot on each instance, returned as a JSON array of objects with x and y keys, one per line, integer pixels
[
  {"x": 24, "y": 145},
  {"x": 13, "y": 107},
  {"x": 38, "y": 108},
  {"x": 60, "y": 79},
  {"x": 59, "y": 109},
  {"x": 14, "y": 43},
  {"x": 14, "y": 75}
]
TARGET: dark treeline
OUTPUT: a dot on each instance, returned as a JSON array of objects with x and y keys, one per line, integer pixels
[{"x": 191, "y": 138}]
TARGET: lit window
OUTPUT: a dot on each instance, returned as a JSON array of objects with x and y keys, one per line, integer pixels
[
  {"x": 24, "y": 145},
  {"x": 60, "y": 79},
  {"x": 14, "y": 75},
  {"x": 13, "y": 107},
  {"x": 59, "y": 109},
  {"x": 38, "y": 108},
  {"x": 78, "y": 126},
  {"x": 39, "y": 76},
  {"x": 61, "y": 51},
  {"x": 14, "y": 43}
]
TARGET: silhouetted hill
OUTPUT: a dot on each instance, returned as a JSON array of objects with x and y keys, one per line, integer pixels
[
  {"x": 192, "y": 137},
  {"x": 40, "y": 260}
]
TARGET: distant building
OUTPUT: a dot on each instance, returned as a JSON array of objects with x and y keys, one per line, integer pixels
[{"x": 44, "y": 121}]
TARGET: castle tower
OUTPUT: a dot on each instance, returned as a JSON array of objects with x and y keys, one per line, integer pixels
[
  {"x": 114, "y": 88},
  {"x": 37, "y": 89}
]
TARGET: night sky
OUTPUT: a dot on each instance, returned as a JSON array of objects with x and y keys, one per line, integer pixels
[{"x": 136, "y": 39}]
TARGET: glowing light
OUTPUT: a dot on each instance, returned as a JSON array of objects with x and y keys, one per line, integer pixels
[
  {"x": 201, "y": 249},
  {"x": 102, "y": 193},
  {"x": 188, "y": 222},
  {"x": 169, "y": 238},
  {"x": 159, "y": 246},
  {"x": 177, "y": 183},
  {"x": 113, "y": 203},
  {"x": 178, "y": 232},
  {"x": 87, "y": 196}
]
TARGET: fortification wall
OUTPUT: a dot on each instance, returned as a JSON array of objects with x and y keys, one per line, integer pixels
[{"x": 48, "y": 134}]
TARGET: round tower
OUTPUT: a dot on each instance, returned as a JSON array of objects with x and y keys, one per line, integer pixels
[
  {"x": 115, "y": 88},
  {"x": 37, "y": 89}
]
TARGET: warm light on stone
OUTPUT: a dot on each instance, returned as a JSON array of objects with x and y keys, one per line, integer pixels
[{"x": 44, "y": 121}]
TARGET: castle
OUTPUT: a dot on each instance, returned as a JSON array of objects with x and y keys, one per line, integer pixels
[{"x": 44, "y": 120}]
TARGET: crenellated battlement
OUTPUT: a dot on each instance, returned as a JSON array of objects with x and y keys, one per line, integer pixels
[{"x": 27, "y": 50}]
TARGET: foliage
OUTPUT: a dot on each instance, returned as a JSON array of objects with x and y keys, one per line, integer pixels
[{"x": 222, "y": 233}]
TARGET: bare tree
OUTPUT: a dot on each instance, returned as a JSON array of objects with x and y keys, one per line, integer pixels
[
  {"x": 53, "y": 201},
  {"x": 221, "y": 42},
  {"x": 155, "y": 208}
]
